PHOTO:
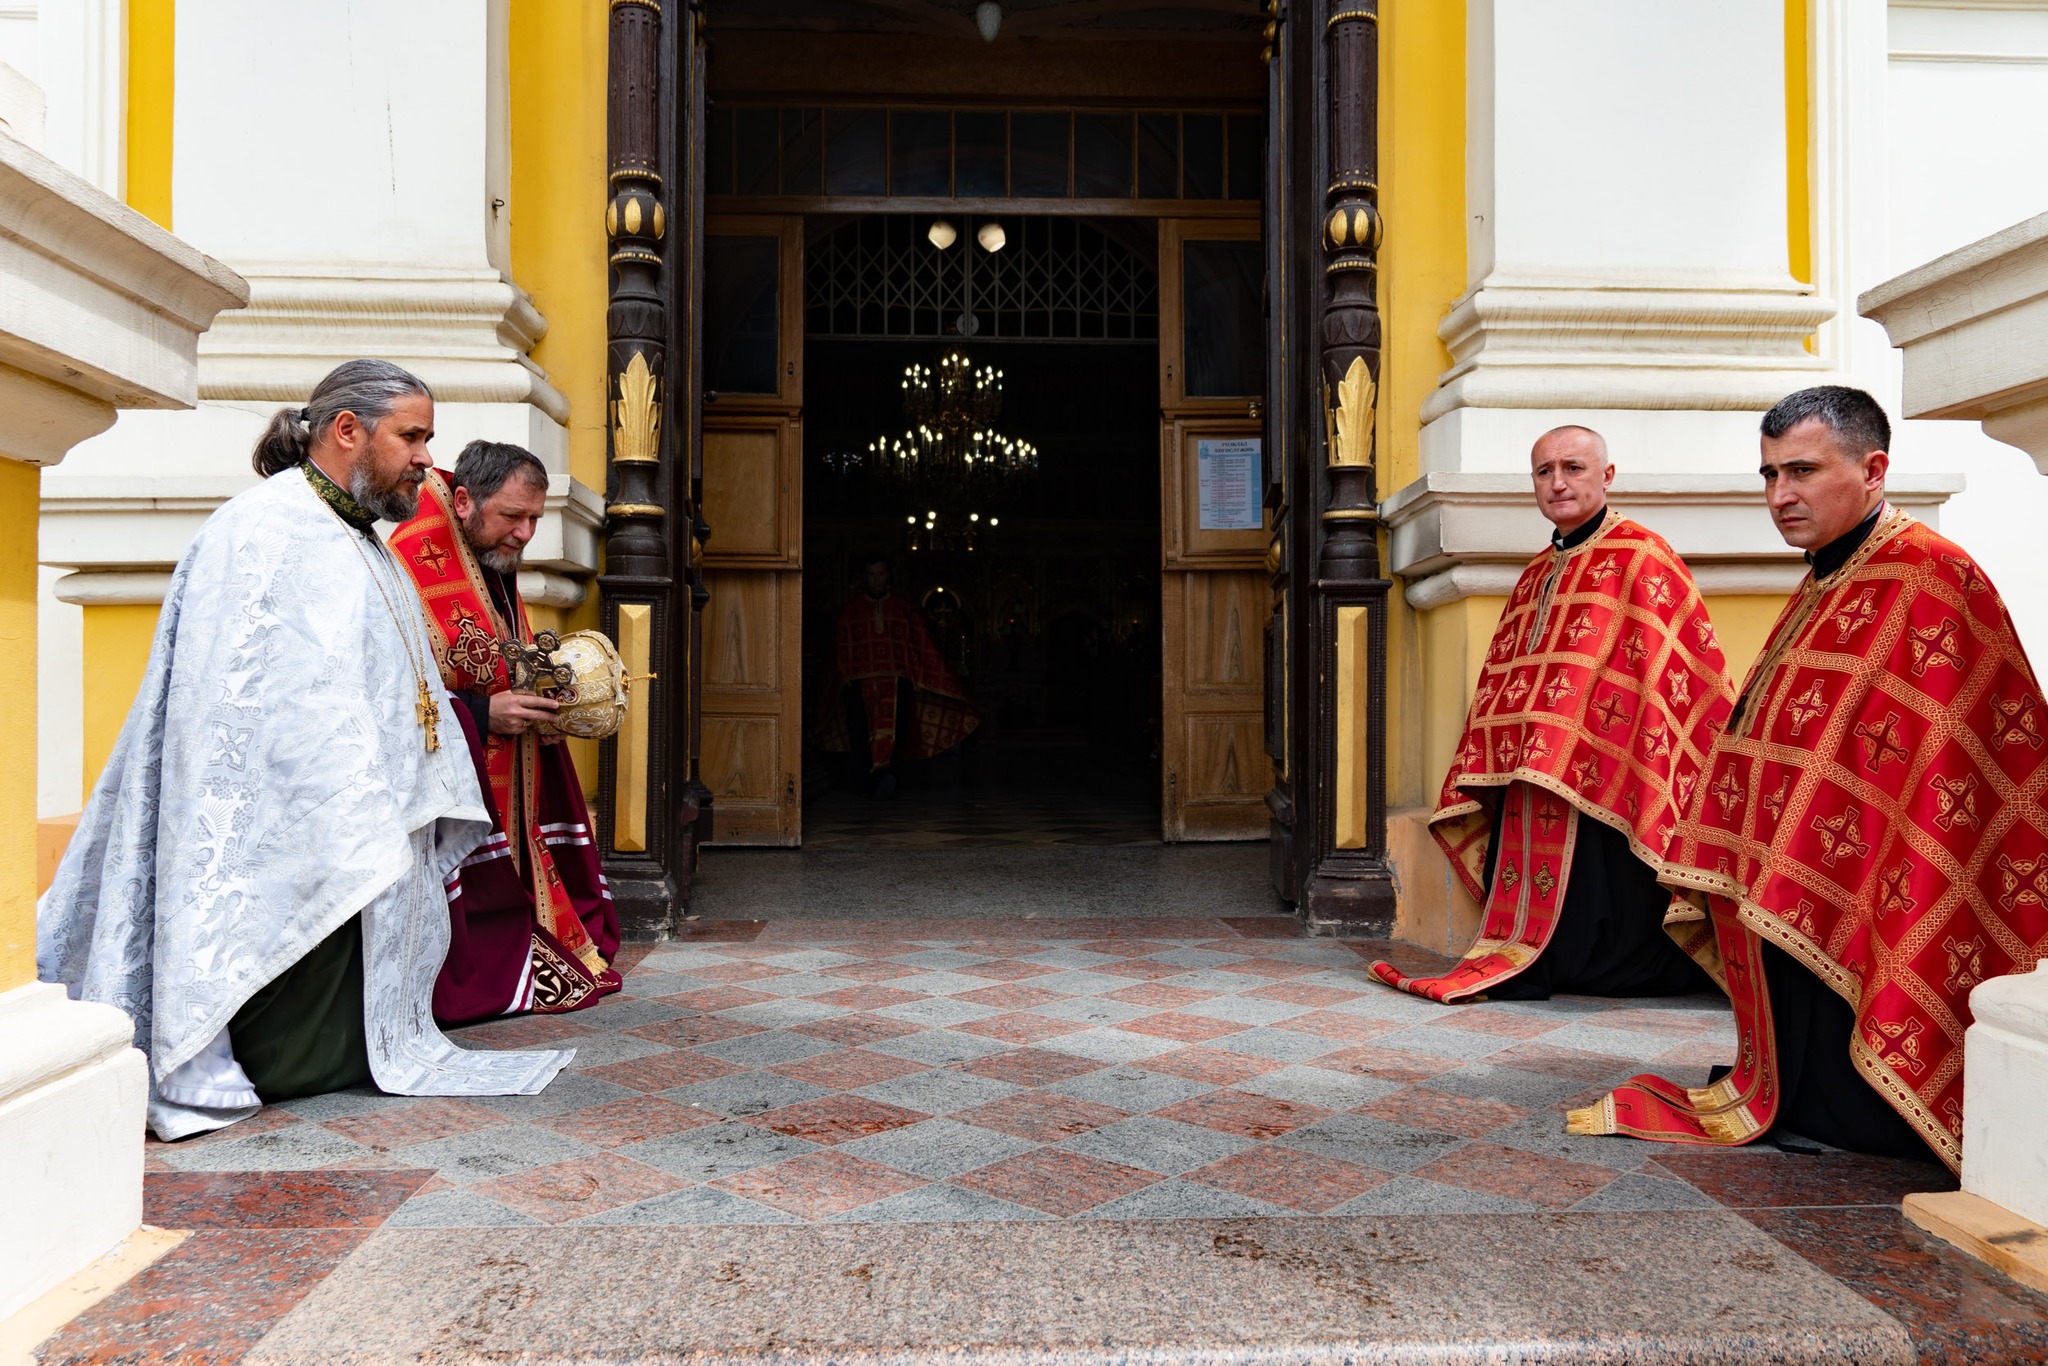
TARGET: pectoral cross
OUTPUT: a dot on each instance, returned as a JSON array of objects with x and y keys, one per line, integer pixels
[{"x": 428, "y": 709}]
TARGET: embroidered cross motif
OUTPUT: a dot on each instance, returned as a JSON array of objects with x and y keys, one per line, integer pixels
[
  {"x": 431, "y": 553},
  {"x": 1656, "y": 740},
  {"x": 1881, "y": 743},
  {"x": 1469, "y": 757},
  {"x": 1808, "y": 926},
  {"x": 1543, "y": 880},
  {"x": 1937, "y": 644},
  {"x": 1956, "y": 799},
  {"x": 1503, "y": 646},
  {"x": 1657, "y": 589},
  {"x": 1549, "y": 814},
  {"x": 1775, "y": 803},
  {"x": 1805, "y": 707},
  {"x": 1967, "y": 577},
  {"x": 1487, "y": 690},
  {"x": 1965, "y": 963},
  {"x": 1518, "y": 688},
  {"x": 2020, "y": 725},
  {"x": 1681, "y": 687},
  {"x": 1612, "y": 712},
  {"x": 1839, "y": 837},
  {"x": 1633, "y": 806},
  {"x": 1510, "y": 876},
  {"x": 1952, "y": 1115},
  {"x": 2025, "y": 881},
  {"x": 1607, "y": 568},
  {"x": 1905, "y": 1035},
  {"x": 1558, "y": 689},
  {"x": 1581, "y": 626},
  {"x": 1586, "y": 772},
  {"x": 1854, "y": 616},
  {"x": 1506, "y": 750},
  {"x": 474, "y": 650},
  {"x": 1703, "y": 631},
  {"x": 1728, "y": 791},
  {"x": 1895, "y": 897},
  {"x": 1535, "y": 749},
  {"x": 1685, "y": 782},
  {"x": 1636, "y": 648}
]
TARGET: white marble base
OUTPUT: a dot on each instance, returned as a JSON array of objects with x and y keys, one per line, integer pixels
[
  {"x": 2005, "y": 1094},
  {"x": 73, "y": 1091}
]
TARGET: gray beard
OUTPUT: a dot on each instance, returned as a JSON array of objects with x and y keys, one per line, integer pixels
[
  {"x": 503, "y": 561},
  {"x": 394, "y": 504}
]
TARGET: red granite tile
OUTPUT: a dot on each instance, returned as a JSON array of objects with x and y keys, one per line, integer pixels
[
  {"x": 1386, "y": 1064},
  {"x": 1303, "y": 994},
  {"x": 1212, "y": 1065},
  {"x": 1030, "y": 1066},
  {"x": 728, "y": 931},
  {"x": 1676, "y": 1024},
  {"x": 711, "y": 1000},
  {"x": 419, "y": 1120},
  {"x": 1335, "y": 1024},
  {"x": 994, "y": 948},
  {"x": 837, "y": 1119},
  {"x": 1186, "y": 1028},
  {"x": 1020, "y": 1027},
  {"x": 1280, "y": 969},
  {"x": 1409, "y": 958},
  {"x": 1041, "y": 1116},
  {"x": 619, "y": 1122},
  {"x": 1056, "y": 1181},
  {"x": 582, "y": 1186},
  {"x": 205, "y": 1303},
  {"x": 1419, "y": 1107},
  {"x": 1008, "y": 970},
  {"x": 1012, "y": 996},
  {"x": 738, "y": 972},
  {"x": 1774, "y": 1180},
  {"x": 1127, "y": 948},
  {"x": 819, "y": 1185},
  {"x": 1501, "y": 1024},
  {"x": 746, "y": 952},
  {"x": 1243, "y": 1114},
  {"x": 857, "y": 1029},
  {"x": 688, "y": 1031},
  {"x": 849, "y": 1070},
  {"x": 871, "y": 996},
  {"x": 874, "y": 971},
  {"x": 1143, "y": 969},
  {"x": 1568, "y": 1063},
  {"x": 1552, "y": 1182},
  {"x": 1265, "y": 926},
  {"x": 664, "y": 1070},
  {"x": 1298, "y": 1180},
  {"x": 1693, "y": 1053},
  {"x": 311, "y": 1199},
  {"x": 270, "y": 1119},
  {"x": 526, "y": 1031},
  {"x": 1161, "y": 995}
]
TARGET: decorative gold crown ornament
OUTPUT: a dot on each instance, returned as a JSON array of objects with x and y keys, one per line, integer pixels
[{"x": 581, "y": 670}]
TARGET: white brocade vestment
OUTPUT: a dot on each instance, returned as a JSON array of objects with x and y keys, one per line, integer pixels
[{"x": 272, "y": 781}]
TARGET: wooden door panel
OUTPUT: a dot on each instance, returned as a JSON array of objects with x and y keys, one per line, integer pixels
[
  {"x": 740, "y": 765},
  {"x": 752, "y": 709},
  {"x": 743, "y": 631},
  {"x": 1224, "y": 638},
  {"x": 1225, "y": 776},
  {"x": 752, "y": 490},
  {"x": 1216, "y": 767}
]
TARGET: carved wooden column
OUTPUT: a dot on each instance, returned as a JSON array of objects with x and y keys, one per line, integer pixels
[
  {"x": 1350, "y": 890},
  {"x": 636, "y": 590}
]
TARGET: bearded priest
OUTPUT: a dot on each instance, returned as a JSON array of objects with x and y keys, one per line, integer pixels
[
  {"x": 1869, "y": 841},
  {"x": 533, "y": 922},
  {"x": 1596, "y": 707},
  {"x": 257, "y": 878}
]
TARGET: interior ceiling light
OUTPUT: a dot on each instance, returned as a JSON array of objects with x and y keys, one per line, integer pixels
[
  {"x": 942, "y": 234},
  {"x": 988, "y": 17},
  {"x": 991, "y": 237}
]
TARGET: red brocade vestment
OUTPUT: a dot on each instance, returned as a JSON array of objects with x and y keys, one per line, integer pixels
[
  {"x": 879, "y": 640},
  {"x": 1875, "y": 811},
  {"x": 533, "y": 925},
  {"x": 1600, "y": 697}
]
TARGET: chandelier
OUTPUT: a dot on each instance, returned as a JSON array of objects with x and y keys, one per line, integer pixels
[{"x": 950, "y": 460}]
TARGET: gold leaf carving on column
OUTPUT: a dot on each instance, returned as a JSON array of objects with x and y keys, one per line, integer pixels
[
  {"x": 1351, "y": 415},
  {"x": 636, "y": 415}
]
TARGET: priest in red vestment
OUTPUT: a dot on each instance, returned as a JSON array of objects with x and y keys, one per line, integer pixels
[
  {"x": 1869, "y": 841},
  {"x": 890, "y": 691},
  {"x": 1595, "y": 710},
  {"x": 534, "y": 927}
]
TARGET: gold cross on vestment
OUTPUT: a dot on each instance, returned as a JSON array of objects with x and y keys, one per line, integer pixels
[{"x": 428, "y": 709}]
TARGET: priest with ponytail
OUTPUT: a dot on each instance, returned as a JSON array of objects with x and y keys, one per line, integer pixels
[{"x": 258, "y": 878}]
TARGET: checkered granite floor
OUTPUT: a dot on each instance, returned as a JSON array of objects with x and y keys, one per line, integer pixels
[{"x": 838, "y": 1071}]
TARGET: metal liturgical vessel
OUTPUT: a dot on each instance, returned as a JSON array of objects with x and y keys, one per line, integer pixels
[{"x": 582, "y": 671}]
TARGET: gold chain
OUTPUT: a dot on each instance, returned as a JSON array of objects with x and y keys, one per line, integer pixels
[{"x": 428, "y": 707}]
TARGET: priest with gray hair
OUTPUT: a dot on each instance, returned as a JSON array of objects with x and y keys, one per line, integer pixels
[{"x": 258, "y": 878}]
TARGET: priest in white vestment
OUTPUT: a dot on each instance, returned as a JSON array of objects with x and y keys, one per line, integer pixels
[{"x": 258, "y": 877}]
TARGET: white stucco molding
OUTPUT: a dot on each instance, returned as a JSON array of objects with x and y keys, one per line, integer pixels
[
  {"x": 465, "y": 332},
  {"x": 1617, "y": 343},
  {"x": 99, "y": 308},
  {"x": 1974, "y": 327},
  {"x": 1453, "y": 536}
]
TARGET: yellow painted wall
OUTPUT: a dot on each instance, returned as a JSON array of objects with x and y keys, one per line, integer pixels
[
  {"x": 19, "y": 499},
  {"x": 151, "y": 33},
  {"x": 1422, "y": 271},
  {"x": 1743, "y": 621},
  {"x": 1798, "y": 143},
  {"x": 116, "y": 654}
]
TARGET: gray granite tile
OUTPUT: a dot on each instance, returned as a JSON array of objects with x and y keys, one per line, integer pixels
[
  {"x": 1320, "y": 1087},
  {"x": 812, "y": 960},
  {"x": 784, "y": 1013},
  {"x": 938, "y": 1148},
  {"x": 1071, "y": 958},
  {"x": 1543, "y": 1132},
  {"x": 1157, "y": 1145},
  {"x": 1379, "y": 1001},
  {"x": 1590, "y": 1036},
  {"x": 716, "y": 1150},
  {"x": 600, "y": 1050},
  {"x": 939, "y": 1091},
  {"x": 568, "y": 1091},
  {"x": 458, "y": 1208},
  {"x": 623, "y": 1012},
  {"x": 302, "y": 1147},
  {"x": 937, "y": 1203},
  {"x": 795, "y": 984},
  {"x": 939, "y": 1011},
  {"x": 939, "y": 983},
  {"x": 1081, "y": 983},
  {"x": 1195, "y": 958},
  {"x": 1130, "y": 1090},
  {"x": 1177, "y": 1199},
  {"x": 680, "y": 959},
  {"x": 1110, "y": 1045},
  {"x": 767, "y": 1049},
  {"x": 1489, "y": 1081},
  {"x": 1372, "y": 1142},
  {"x": 1280, "y": 1044},
  {"x": 1635, "y": 1191},
  {"x": 697, "y": 1205},
  {"x": 1413, "y": 1195},
  {"x": 485, "y": 1153},
  {"x": 643, "y": 985},
  {"x": 939, "y": 960},
  {"x": 1246, "y": 1010},
  {"x": 1210, "y": 979},
  {"x": 1444, "y": 1042},
  {"x": 336, "y": 1104},
  {"x": 747, "y": 1093},
  {"x": 1093, "y": 1010},
  {"x": 940, "y": 1047}
]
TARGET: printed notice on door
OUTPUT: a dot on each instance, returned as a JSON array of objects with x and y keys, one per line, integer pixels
[{"x": 1233, "y": 484}]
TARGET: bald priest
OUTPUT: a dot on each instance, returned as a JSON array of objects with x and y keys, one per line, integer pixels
[
  {"x": 1595, "y": 710},
  {"x": 1869, "y": 841}
]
